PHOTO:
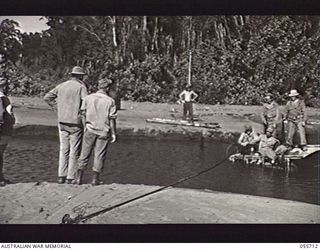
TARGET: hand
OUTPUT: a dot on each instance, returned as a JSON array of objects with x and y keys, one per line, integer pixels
[
  {"x": 303, "y": 123},
  {"x": 113, "y": 138},
  {"x": 9, "y": 109}
]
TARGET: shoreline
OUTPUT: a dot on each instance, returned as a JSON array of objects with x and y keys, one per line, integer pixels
[
  {"x": 34, "y": 117},
  {"x": 47, "y": 203}
]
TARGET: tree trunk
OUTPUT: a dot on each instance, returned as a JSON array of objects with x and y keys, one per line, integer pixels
[
  {"x": 114, "y": 31},
  {"x": 154, "y": 45}
]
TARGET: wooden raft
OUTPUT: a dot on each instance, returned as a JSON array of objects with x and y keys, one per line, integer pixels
[
  {"x": 294, "y": 154},
  {"x": 210, "y": 125}
]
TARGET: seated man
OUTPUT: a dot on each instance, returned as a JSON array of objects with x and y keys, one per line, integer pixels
[
  {"x": 248, "y": 140},
  {"x": 268, "y": 144}
]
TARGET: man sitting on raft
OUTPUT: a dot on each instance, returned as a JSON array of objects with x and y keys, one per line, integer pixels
[{"x": 247, "y": 141}]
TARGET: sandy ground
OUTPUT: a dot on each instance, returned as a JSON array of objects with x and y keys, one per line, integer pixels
[
  {"x": 30, "y": 203},
  {"x": 48, "y": 202}
]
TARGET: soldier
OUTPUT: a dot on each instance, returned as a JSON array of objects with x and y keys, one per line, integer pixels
[
  {"x": 68, "y": 97},
  {"x": 268, "y": 145},
  {"x": 187, "y": 97},
  {"x": 270, "y": 115},
  {"x": 6, "y": 127},
  {"x": 247, "y": 142},
  {"x": 295, "y": 114},
  {"x": 100, "y": 112}
]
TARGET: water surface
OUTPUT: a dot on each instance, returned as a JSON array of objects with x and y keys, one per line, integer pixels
[{"x": 161, "y": 162}]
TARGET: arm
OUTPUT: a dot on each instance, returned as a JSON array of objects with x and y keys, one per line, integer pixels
[
  {"x": 241, "y": 139},
  {"x": 262, "y": 116},
  {"x": 278, "y": 115},
  {"x": 50, "y": 98},
  {"x": 113, "y": 117},
  {"x": 2, "y": 109},
  {"x": 83, "y": 112},
  {"x": 303, "y": 110},
  {"x": 195, "y": 95},
  {"x": 181, "y": 96},
  {"x": 285, "y": 113},
  {"x": 256, "y": 138}
]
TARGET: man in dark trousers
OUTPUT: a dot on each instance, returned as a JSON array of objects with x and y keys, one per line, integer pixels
[
  {"x": 67, "y": 97},
  {"x": 187, "y": 97},
  {"x": 100, "y": 113},
  {"x": 6, "y": 125},
  {"x": 295, "y": 114}
]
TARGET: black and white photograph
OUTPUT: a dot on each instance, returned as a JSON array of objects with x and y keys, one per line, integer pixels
[{"x": 192, "y": 119}]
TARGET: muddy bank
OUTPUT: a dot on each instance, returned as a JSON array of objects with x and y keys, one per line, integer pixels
[
  {"x": 48, "y": 202},
  {"x": 34, "y": 117}
]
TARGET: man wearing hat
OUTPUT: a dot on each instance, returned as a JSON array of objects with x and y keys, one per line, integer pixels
[
  {"x": 270, "y": 114},
  {"x": 67, "y": 99},
  {"x": 100, "y": 113},
  {"x": 6, "y": 126},
  {"x": 295, "y": 114},
  {"x": 187, "y": 97}
]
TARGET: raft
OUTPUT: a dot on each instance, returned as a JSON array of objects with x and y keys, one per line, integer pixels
[
  {"x": 210, "y": 125},
  {"x": 294, "y": 154}
]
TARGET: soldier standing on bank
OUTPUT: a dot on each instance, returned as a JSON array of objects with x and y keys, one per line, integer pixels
[
  {"x": 68, "y": 97},
  {"x": 270, "y": 115},
  {"x": 100, "y": 113},
  {"x": 295, "y": 114},
  {"x": 187, "y": 97},
  {"x": 6, "y": 125}
]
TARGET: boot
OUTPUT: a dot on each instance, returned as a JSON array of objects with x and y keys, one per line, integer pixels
[
  {"x": 70, "y": 181},
  {"x": 79, "y": 177},
  {"x": 61, "y": 179},
  {"x": 95, "y": 180}
]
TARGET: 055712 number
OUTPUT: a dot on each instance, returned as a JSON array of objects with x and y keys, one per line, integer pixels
[{"x": 309, "y": 245}]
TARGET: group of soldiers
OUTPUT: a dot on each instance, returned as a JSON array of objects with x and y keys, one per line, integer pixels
[
  {"x": 87, "y": 123},
  {"x": 269, "y": 144}
]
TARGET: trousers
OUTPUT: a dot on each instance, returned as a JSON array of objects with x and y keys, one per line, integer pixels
[
  {"x": 292, "y": 128},
  {"x": 268, "y": 152},
  {"x": 97, "y": 144},
  {"x": 187, "y": 110},
  {"x": 70, "y": 144},
  {"x": 3, "y": 145}
]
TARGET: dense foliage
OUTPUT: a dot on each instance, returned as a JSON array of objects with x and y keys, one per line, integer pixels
[{"x": 235, "y": 59}]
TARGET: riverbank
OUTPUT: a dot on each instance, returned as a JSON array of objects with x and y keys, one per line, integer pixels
[
  {"x": 47, "y": 203},
  {"x": 36, "y": 118}
]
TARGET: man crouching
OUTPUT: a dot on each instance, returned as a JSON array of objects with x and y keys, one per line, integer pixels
[
  {"x": 99, "y": 111},
  {"x": 268, "y": 145}
]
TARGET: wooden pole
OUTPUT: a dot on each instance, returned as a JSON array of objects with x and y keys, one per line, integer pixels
[{"x": 189, "y": 72}]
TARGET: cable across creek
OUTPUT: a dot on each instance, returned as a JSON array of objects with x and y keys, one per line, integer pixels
[{"x": 68, "y": 220}]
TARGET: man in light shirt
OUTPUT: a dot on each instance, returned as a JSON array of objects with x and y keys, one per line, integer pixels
[
  {"x": 247, "y": 142},
  {"x": 100, "y": 113},
  {"x": 67, "y": 99},
  {"x": 187, "y": 97}
]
